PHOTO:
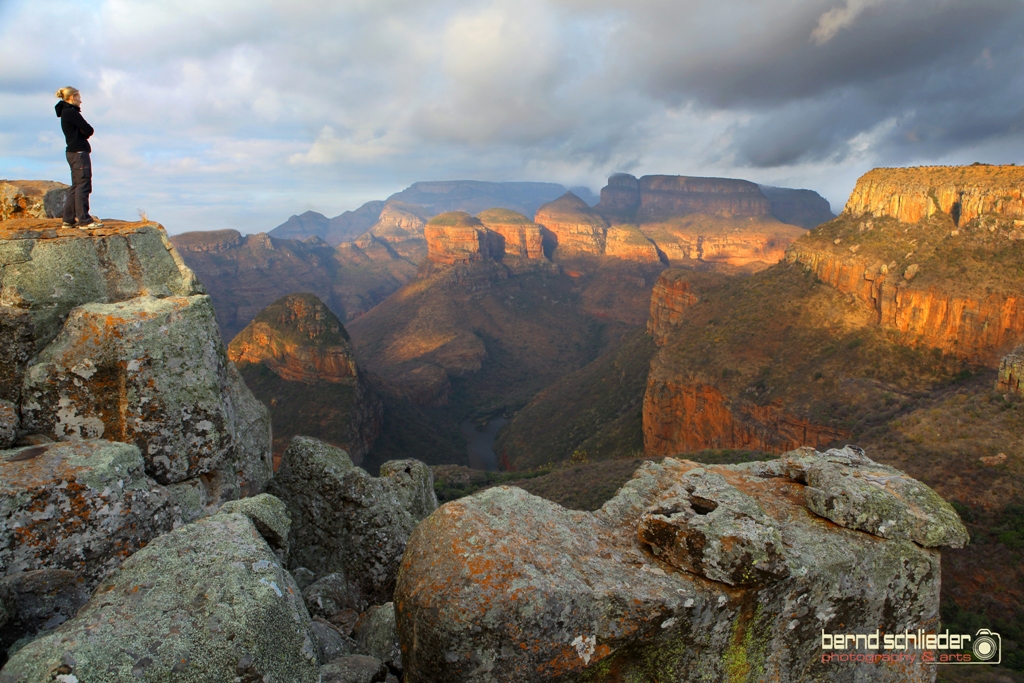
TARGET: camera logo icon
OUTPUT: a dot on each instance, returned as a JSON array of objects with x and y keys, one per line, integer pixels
[{"x": 988, "y": 646}]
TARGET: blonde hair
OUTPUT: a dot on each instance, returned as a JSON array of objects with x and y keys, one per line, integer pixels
[{"x": 66, "y": 93}]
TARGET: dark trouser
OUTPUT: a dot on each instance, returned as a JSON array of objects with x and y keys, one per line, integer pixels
[{"x": 76, "y": 206}]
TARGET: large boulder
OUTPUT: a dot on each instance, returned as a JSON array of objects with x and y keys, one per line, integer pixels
[
  {"x": 153, "y": 372},
  {"x": 349, "y": 523},
  {"x": 40, "y": 601},
  {"x": 690, "y": 573},
  {"x": 207, "y": 602},
  {"x": 81, "y": 506}
]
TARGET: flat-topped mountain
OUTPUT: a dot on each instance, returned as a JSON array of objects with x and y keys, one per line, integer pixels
[
  {"x": 296, "y": 357},
  {"x": 656, "y": 198},
  {"x": 245, "y": 274}
]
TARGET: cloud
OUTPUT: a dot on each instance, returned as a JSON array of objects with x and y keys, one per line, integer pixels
[
  {"x": 839, "y": 18},
  {"x": 243, "y": 112}
]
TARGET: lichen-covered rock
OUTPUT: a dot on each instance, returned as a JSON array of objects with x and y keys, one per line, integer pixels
[
  {"x": 47, "y": 271},
  {"x": 31, "y": 199},
  {"x": 207, "y": 602},
  {"x": 346, "y": 521},
  {"x": 43, "y": 600},
  {"x": 153, "y": 372},
  {"x": 413, "y": 482},
  {"x": 377, "y": 635},
  {"x": 9, "y": 423},
  {"x": 847, "y": 487},
  {"x": 709, "y": 527},
  {"x": 354, "y": 669},
  {"x": 267, "y": 513},
  {"x": 505, "y": 586},
  {"x": 82, "y": 506}
]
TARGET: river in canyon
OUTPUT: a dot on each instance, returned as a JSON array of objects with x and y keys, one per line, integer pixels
[{"x": 480, "y": 442}]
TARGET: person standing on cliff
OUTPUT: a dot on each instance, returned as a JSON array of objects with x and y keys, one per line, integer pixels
[{"x": 77, "y": 133}]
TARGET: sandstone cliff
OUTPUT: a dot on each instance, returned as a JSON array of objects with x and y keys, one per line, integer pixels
[
  {"x": 457, "y": 237},
  {"x": 522, "y": 237},
  {"x": 245, "y": 274},
  {"x": 962, "y": 192},
  {"x": 573, "y": 227},
  {"x": 296, "y": 357},
  {"x": 669, "y": 300},
  {"x": 401, "y": 226},
  {"x": 31, "y": 199}
]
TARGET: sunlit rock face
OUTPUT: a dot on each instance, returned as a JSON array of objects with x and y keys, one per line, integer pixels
[
  {"x": 575, "y": 229},
  {"x": 690, "y": 573},
  {"x": 521, "y": 237},
  {"x": 297, "y": 359},
  {"x": 457, "y": 237},
  {"x": 963, "y": 192}
]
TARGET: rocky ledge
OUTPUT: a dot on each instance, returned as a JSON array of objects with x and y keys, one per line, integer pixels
[{"x": 691, "y": 572}]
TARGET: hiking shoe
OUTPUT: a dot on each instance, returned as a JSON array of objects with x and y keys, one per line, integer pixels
[
  {"x": 67, "y": 226},
  {"x": 90, "y": 226}
]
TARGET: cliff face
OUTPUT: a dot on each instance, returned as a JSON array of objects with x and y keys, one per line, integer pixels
[
  {"x": 457, "y": 237},
  {"x": 576, "y": 229},
  {"x": 245, "y": 274},
  {"x": 401, "y": 226},
  {"x": 657, "y": 198},
  {"x": 978, "y": 326},
  {"x": 669, "y": 300},
  {"x": 682, "y": 415},
  {"x": 296, "y": 357},
  {"x": 805, "y": 208},
  {"x": 522, "y": 237},
  {"x": 962, "y": 192},
  {"x": 300, "y": 340},
  {"x": 31, "y": 199}
]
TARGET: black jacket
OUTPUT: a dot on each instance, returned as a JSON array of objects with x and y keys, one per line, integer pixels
[{"x": 76, "y": 131}]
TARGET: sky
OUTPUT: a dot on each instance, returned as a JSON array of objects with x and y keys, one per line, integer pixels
[{"x": 240, "y": 113}]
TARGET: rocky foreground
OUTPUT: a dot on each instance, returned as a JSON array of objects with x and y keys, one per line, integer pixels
[{"x": 145, "y": 536}]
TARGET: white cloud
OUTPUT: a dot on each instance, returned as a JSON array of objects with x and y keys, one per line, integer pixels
[{"x": 839, "y": 18}]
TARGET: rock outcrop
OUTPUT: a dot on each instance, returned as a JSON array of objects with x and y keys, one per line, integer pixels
[
  {"x": 118, "y": 340},
  {"x": 401, "y": 226},
  {"x": 31, "y": 199},
  {"x": 296, "y": 358},
  {"x": 574, "y": 228},
  {"x": 300, "y": 340},
  {"x": 522, "y": 237},
  {"x": 681, "y": 415},
  {"x": 206, "y": 602},
  {"x": 1011, "y": 372},
  {"x": 627, "y": 242},
  {"x": 245, "y": 274},
  {"x": 691, "y": 572},
  {"x": 457, "y": 237},
  {"x": 152, "y": 372},
  {"x": 669, "y": 299},
  {"x": 962, "y": 192},
  {"x": 348, "y": 523}
]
